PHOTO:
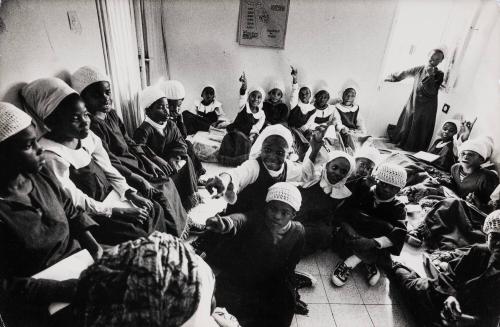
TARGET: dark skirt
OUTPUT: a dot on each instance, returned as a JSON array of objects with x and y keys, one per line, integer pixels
[{"x": 235, "y": 148}]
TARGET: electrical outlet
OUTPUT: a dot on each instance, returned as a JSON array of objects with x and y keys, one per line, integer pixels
[
  {"x": 74, "y": 22},
  {"x": 446, "y": 108}
]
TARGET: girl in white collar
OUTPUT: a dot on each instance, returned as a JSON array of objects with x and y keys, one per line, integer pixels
[{"x": 207, "y": 112}]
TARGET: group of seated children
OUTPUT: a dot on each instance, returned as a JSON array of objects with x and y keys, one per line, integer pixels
[{"x": 86, "y": 184}]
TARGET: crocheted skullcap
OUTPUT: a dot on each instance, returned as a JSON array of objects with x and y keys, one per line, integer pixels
[
  {"x": 12, "y": 120},
  {"x": 86, "y": 75},
  {"x": 391, "y": 174},
  {"x": 492, "y": 223},
  {"x": 149, "y": 96},
  {"x": 285, "y": 192}
]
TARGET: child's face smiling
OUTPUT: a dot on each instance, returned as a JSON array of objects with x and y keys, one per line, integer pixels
[
  {"x": 304, "y": 95},
  {"x": 448, "y": 131},
  {"x": 158, "y": 111},
  {"x": 273, "y": 152},
  {"x": 275, "y": 95},
  {"x": 348, "y": 97},
  {"x": 278, "y": 214},
  {"x": 364, "y": 167},
  {"x": 254, "y": 99},
  {"x": 337, "y": 169},
  {"x": 321, "y": 99}
]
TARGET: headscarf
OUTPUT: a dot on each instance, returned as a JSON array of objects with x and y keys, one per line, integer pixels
[
  {"x": 261, "y": 91},
  {"x": 152, "y": 281},
  {"x": 338, "y": 190},
  {"x": 481, "y": 145},
  {"x": 286, "y": 193},
  {"x": 87, "y": 75},
  {"x": 174, "y": 90},
  {"x": 277, "y": 129},
  {"x": 349, "y": 84},
  {"x": 368, "y": 152},
  {"x": 12, "y": 120},
  {"x": 277, "y": 84},
  {"x": 45, "y": 94},
  {"x": 323, "y": 87},
  {"x": 149, "y": 96}
]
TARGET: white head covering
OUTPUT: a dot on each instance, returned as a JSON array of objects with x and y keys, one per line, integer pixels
[
  {"x": 480, "y": 145},
  {"x": 277, "y": 84},
  {"x": 12, "y": 120},
  {"x": 44, "y": 95},
  {"x": 368, "y": 152},
  {"x": 174, "y": 90},
  {"x": 261, "y": 91},
  {"x": 86, "y": 75},
  {"x": 149, "y": 96},
  {"x": 391, "y": 174},
  {"x": 492, "y": 223},
  {"x": 349, "y": 84},
  {"x": 338, "y": 190},
  {"x": 285, "y": 192},
  {"x": 277, "y": 129},
  {"x": 324, "y": 87}
]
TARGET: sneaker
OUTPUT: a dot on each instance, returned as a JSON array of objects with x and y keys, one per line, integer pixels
[
  {"x": 372, "y": 274},
  {"x": 302, "y": 279},
  {"x": 340, "y": 274}
]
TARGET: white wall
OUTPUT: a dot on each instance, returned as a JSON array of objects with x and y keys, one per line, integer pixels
[
  {"x": 326, "y": 40},
  {"x": 38, "y": 43}
]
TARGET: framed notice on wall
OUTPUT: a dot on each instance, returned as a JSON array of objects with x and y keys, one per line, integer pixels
[{"x": 262, "y": 23}]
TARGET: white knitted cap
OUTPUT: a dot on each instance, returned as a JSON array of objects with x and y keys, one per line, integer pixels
[
  {"x": 285, "y": 192},
  {"x": 174, "y": 90},
  {"x": 492, "y": 223},
  {"x": 12, "y": 120},
  {"x": 44, "y": 95},
  {"x": 481, "y": 146},
  {"x": 391, "y": 174},
  {"x": 86, "y": 75},
  {"x": 149, "y": 95},
  {"x": 368, "y": 152}
]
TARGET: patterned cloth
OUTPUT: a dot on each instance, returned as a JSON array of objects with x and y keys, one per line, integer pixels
[{"x": 151, "y": 281}]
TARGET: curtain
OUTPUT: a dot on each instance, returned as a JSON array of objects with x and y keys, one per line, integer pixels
[
  {"x": 152, "y": 43},
  {"x": 118, "y": 33}
]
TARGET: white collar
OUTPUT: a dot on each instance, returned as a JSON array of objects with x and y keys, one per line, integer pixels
[
  {"x": 77, "y": 158},
  {"x": 256, "y": 115},
  {"x": 441, "y": 144},
  {"x": 325, "y": 112},
  {"x": 159, "y": 127},
  {"x": 335, "y": 191},
  {"x": 207, "y": 108},
  {"x": 275, "y": 173},
  {"x": 305, "y": 107},
  {"x": 343, "y": 108}
]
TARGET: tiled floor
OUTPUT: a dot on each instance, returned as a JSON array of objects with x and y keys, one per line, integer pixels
[{"x": 356, "y": 303}]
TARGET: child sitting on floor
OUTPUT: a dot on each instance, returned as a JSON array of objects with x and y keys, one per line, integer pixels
[
  {"x": 301, "y": 108},
  {"x": 323, "y": 193},
  {"x": 274, "y": 108},
  {"x": 444, "y": 146},
  {"x": 163, "y": 137},
  {"x": 367, "y": 157},
  {"x": 244, "y": 188},
  {"x": 245, "y": 128},
  {"x": 207, "y": 113},
  {"x": 257, "y": 264},
  {"x": 372, "y": 226},
  {"x": 468, "y": 295}
]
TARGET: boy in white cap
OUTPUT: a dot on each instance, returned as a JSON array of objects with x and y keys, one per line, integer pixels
[
  {"x": 258, "y": 261},
  {"x": 372, "y": 225},
  {"x": 467, "y": 294}
]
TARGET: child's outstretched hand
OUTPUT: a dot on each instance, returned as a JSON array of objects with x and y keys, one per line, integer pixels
[
  {"x": 218, "y": 224},
  {"x": 293, "y": 72},
  {"x": 243, "y": 78},
  {"x": 215, "y": 183}
]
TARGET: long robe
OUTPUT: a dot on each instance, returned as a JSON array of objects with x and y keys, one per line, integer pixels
[
  {"x": 125, "y": 155},
  {"x": 170, "y": 145},
  {"x": 415, "y": 126}
]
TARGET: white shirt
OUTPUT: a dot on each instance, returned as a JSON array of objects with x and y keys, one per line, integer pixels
[
  {"x": 159, "y": 127},
  {"x": 59, "y": 158},
  {"x": 259, "y": 115},
  {"x": 215, "y": 106},
  {"x": 327, "y": 112},
  {"x": 248, "y": 172}
]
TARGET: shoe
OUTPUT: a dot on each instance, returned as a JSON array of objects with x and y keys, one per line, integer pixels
[
  {"x": 341, "y": 274},
  {"x": 372, "y": 274},
  {"x": 300, "y": 307},
  {"x": 414, "y": 241},
  {"x": 302, "y": 279}
]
